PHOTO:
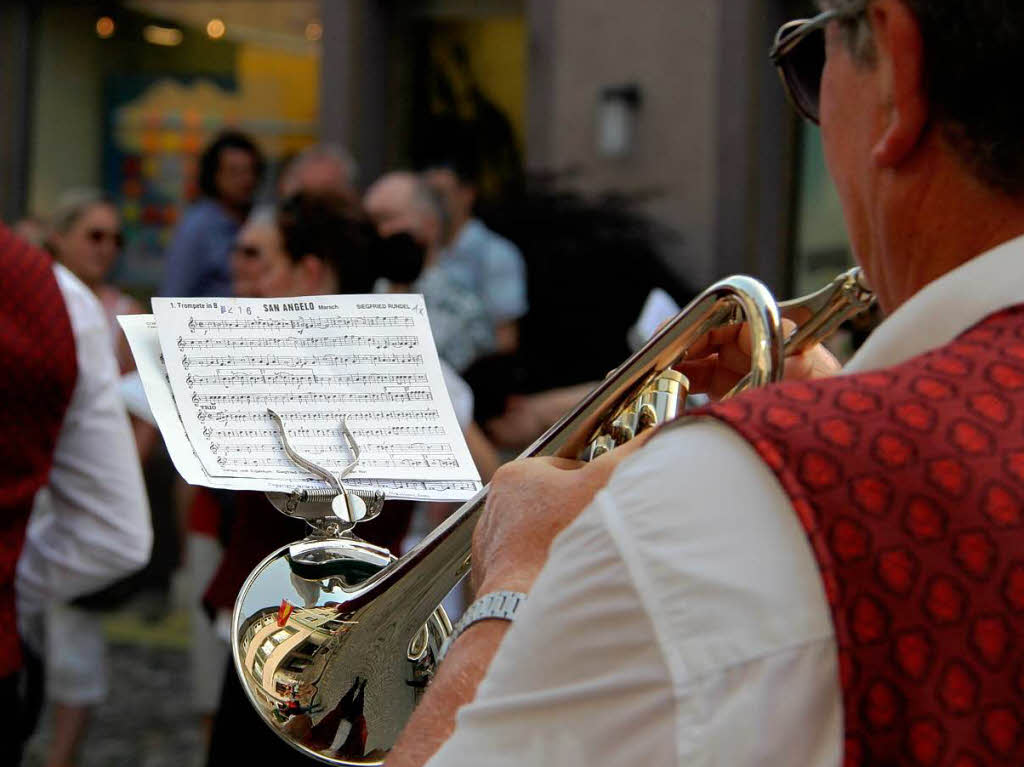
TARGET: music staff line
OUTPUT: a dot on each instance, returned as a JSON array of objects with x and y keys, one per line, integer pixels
[
  {"x": 285, "y": 360},
  {"x": 412, "y": 484},
  {"x": 274, "y": 433},
  {"x": 378, "y": 342},
  {"x": 308, "y": 323},
  {"x": 429, "y": 485},
  {"x": 314, "y": 448},
  {"x": 260, "y": 417},
  {"x": 281, "y": 378},
  {"x": 263, "y": 464},
  {"x": 214, "y": 400}
]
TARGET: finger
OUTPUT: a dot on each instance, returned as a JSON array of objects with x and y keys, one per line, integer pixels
[
  {"x": 554, "y": 462},
  {"x": 816, "y": 362},
  {"x": 734, "y": 359},
  {"x": 699, "y": 373},
  {"x": 744, "y": 337},
  {"x": 736, "y": 355},
  {"x": 798, "y": 367},
  {"x": 711, "y": 341},
  {"x": 824, "y": 363},
  {"x": 722, "y": 382},
  {"x": 709, "y": 376}
]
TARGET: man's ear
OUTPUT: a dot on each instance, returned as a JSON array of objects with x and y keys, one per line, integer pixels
[{"x": 899, "y": 48}]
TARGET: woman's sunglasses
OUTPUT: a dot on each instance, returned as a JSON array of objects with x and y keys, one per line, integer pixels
[
  {"x": 799, "y": 55},
  {"x": 246, "y": 251},
  {"x": 99, "y": 236}
]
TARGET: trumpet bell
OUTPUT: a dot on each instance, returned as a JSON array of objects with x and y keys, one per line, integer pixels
[{"x": 289, "y": 627}]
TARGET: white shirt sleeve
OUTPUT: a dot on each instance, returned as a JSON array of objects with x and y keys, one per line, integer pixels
[
  {"x": 91, "y": 525},
  {"x": 679, "y": 620}
]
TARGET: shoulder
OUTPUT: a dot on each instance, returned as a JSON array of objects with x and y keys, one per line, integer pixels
[
  {"x": 437, "y": 285},
  {"x": 194, "y": 215},
  {"x": 17, "y": 257},
  {"x": 801, "y": 398},
  {"x": 201, "y": 216},
  {"x": 492, "y": 243},
  {"x": 84, "y": 309}
]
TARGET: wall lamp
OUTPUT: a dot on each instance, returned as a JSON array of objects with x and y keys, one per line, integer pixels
[{"x": 617, "y": 107}]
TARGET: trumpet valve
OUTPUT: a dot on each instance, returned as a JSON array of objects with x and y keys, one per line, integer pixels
[
  {"x": 598, "y": 447},
  {"x": 625, "y": 426},
  {"x": 662, "y": 400}
]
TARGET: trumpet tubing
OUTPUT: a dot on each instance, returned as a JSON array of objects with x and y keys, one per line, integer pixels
[{"x": 335, "y": 640}]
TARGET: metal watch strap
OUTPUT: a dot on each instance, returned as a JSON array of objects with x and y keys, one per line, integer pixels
[{"x": 498, "y": 605}]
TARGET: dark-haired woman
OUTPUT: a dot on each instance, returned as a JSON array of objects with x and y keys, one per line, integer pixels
[{"x": 197, "y": 262}]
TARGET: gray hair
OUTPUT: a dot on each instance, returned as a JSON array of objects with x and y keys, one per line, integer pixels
[
  {"x": 430, "y": 202},
  {"x": 74, "y": 204},
  {"x": 323, "y": 151},
  {"x": 856, "y": 28},
  {"x": 262, "y": 215}
]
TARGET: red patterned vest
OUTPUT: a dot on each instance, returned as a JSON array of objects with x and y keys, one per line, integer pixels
[
  {"x": 909, "y": 482},
  {"x": 38, "y": 369}
]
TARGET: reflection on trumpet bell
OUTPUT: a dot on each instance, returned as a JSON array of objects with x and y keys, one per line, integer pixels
[
  {"x": 282, "y": 651},
  {"x": 290, "y": 629}
]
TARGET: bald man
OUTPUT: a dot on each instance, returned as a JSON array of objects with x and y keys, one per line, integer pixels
[{"x": 411, "y": 220}]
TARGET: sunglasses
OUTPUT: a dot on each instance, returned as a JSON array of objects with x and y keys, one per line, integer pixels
[
  {"x": 799, "y": 55},
  {"x": 247, "y": 251},
  {"x": 99, "y": 236}
]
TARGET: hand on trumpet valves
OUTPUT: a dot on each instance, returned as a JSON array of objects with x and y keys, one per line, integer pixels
[
  {"x": 531, "y": 501},
  {"x": 718, "y": 360}
]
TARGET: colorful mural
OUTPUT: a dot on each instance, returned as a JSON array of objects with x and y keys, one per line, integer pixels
[{"x": 158, "y": 126}]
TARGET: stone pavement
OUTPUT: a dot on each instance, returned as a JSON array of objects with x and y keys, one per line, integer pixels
[{"x": 146, "y": 720}]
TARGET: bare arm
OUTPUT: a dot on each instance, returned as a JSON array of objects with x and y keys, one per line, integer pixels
[
  {"x": 455, "y": 685},
  {"x": 480, "y": 448}
]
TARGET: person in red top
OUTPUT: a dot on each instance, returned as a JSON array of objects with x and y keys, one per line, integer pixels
[
  {"x": 37, "y": 349},
  {"x": 60, "y": 403},
  {"x": 821, "y": 572}
]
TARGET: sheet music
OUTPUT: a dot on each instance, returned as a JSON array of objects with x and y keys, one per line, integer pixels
[{"x": 143, "y": 338}]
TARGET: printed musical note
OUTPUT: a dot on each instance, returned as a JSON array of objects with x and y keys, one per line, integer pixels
[
  {"x": 305, "y": 431},
  {"x": 333, "y": 416},
  {"x": 306, "y": 323},
  {"x": 305, "y": 379},
  {"x": 296, "y": 342},
  {"x": 274, "y": 398},
  {"x": 292, "y": 361}
]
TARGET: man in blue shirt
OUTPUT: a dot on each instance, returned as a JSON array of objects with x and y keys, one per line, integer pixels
[
  {"x": 401, "y": 203},
  {"x": 198, "y": 260},
  {"x": 475, "y": 257}
]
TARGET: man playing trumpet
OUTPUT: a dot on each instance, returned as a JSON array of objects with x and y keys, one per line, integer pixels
[{"x": 825, "y": 571}]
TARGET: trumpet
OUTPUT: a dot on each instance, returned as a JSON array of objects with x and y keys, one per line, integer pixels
[{"x": 335, "y": 640}]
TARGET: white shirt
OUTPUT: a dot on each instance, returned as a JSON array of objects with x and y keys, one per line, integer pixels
[
  {"x": 681, "y": 619},
  {"x": 91, "y": 524}
]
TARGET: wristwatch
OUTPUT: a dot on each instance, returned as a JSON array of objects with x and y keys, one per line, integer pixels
[{"x": 498, "y": 605}]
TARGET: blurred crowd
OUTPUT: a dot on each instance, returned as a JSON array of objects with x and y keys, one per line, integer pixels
[{"x": 518, "y": 349}]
